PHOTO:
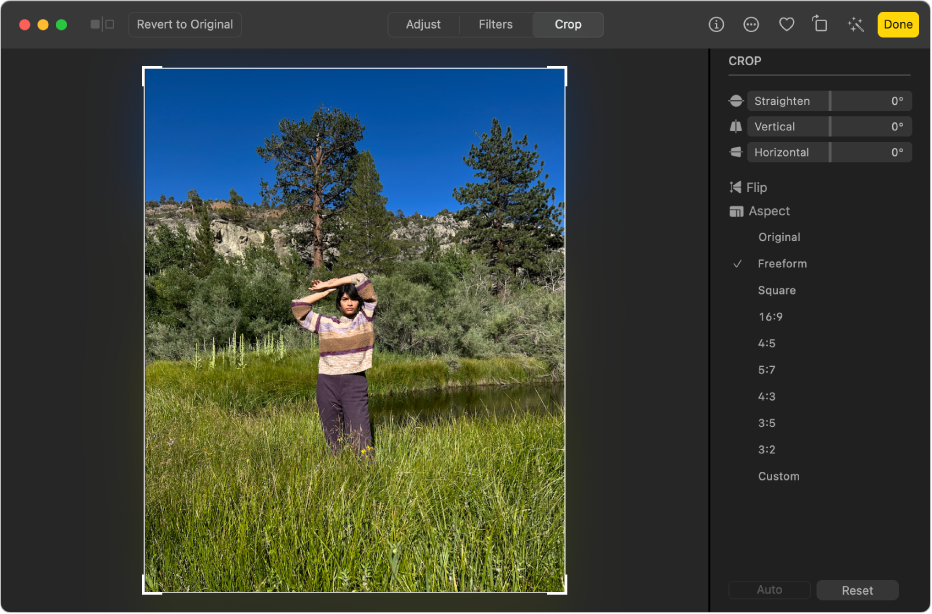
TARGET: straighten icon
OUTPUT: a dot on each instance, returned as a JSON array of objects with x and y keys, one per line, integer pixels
[{"x": 736, "y": 100}]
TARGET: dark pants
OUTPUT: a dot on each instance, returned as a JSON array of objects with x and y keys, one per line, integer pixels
[{"x": 346, "y": 397}]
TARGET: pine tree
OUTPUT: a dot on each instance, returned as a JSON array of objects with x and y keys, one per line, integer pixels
[
  {"x": 197, "y": 205},
  {"x": 367, "y": 225},
  {"x": 236, "y": 200},
  {"x": 204, "y": 255},
  {"x": 161, "y": 200},
  {"x": 513, "y": 221},
  {"x": 313, "y": 169},
  {"x": 432, "y": 250}
]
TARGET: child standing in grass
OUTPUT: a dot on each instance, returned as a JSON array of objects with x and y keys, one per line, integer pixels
[{"x": 345, "y": 353}]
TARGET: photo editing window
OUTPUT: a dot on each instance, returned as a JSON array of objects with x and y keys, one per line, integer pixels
[{"x": 467, "y": 306}]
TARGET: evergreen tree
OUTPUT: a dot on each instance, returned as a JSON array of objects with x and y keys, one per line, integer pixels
[
  {"x": 236, "y": 200},
  {"x": 313, "y": 169},
  {"x": 197, "y": 205},
  {"x": 432, "y": 247},
  {"x": 513, "y": 221},
  {"x": 171, "y": 200},
  {"x": 295, "y": 266},
  {"x": 367, "y": 225},
  {"x": 204, "y": 255},
  {"x": 267, "y": 241},
  {"x": 237, "y": 211},
  {"x": 161, "y": 200},
  {"x": 266, "y": 251},
  {"x": 165, "y": 248}
]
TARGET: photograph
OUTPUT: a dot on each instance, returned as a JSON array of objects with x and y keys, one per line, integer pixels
[{"x": 354, "y": 330}]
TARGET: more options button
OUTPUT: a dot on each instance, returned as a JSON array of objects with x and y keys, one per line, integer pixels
[
  {"x": 857, "y": 590},
  {"x": 568, "y": 25},
  {"x": 769, "y": 590}
]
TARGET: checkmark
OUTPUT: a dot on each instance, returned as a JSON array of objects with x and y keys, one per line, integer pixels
[{"x": 739, "y": 262}]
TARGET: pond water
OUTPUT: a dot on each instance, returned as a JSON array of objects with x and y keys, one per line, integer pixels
[{"x": 458, "y": 402}]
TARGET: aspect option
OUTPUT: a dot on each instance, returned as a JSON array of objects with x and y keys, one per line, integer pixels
[{"x": 857, "y": 590}]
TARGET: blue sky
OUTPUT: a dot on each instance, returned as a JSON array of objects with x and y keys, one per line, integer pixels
[{"x": 203, "y": 126}]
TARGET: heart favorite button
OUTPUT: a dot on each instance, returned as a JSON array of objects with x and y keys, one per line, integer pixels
[{"x": 787, "y": 23}]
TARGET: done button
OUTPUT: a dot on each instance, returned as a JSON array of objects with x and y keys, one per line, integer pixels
[{"x": 898, "y": 25}]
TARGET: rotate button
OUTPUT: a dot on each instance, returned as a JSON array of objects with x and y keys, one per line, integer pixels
[
  {"x": 769, "y": 590},
  {"x": 857, "y": 590},
  {"x": 898, "y": 25}
]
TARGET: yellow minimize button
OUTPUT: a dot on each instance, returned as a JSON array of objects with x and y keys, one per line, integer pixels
[{"x": 898, "y": 25}]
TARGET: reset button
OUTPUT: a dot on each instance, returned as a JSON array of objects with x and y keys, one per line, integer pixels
[{"x": 857, "y": 590}]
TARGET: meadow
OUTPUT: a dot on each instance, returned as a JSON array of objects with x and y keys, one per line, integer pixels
[{"x": 243, "y": 495}]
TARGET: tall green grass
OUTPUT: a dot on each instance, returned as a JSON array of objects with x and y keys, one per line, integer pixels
[
  {"x": 267, "y": 379},
  {"x": 253, "y": 501}
]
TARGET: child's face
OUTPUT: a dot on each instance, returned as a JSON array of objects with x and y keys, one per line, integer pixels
[{"x": 348, "y": 306}]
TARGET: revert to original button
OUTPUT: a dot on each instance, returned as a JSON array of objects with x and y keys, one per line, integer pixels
[
  {"x": 185, "y": 25},
  {"x": 857, "y": 590},
  {"x": 568, "y": 25}
]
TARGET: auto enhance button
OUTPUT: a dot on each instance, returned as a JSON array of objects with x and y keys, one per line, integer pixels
[{"x": 769, "y": 590}]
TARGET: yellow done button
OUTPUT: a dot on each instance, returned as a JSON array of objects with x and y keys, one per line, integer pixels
[{"x": 898, "y": 25}]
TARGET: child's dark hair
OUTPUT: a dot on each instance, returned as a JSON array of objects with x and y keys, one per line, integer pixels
[{"x": 349, "y": 290}]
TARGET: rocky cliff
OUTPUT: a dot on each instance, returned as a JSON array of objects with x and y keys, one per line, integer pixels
[{"x": 232, "y": 240}]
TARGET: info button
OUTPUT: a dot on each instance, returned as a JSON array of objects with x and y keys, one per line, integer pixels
[
  {"x": 769, "y": 590},
  {"x": 568, "y": 25}
]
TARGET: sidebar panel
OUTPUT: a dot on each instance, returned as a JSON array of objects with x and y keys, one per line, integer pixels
[{"x": 819, "y": 286}]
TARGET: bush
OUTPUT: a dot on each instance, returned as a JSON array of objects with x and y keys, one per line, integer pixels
[{"x": 425, "y": 308}]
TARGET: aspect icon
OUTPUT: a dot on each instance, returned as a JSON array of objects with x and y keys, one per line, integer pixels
[
  {"x": 821, "y": 25},
  {"x": 855, "y": 23},
  {"x": 734, "y": 187},
  {"x": 751, "y": 24},
  {"x": 787, "y": 23},
  {"x": 736, "y": 126},
  {"x": 736, "y": 152},
  {"x": 716, "y": 24},
  {"x": 737, "y": 211},
  {"x": 736, "y": 100}
]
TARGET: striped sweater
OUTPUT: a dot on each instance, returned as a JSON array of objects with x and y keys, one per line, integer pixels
[{"x": 345, "y": 345}]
